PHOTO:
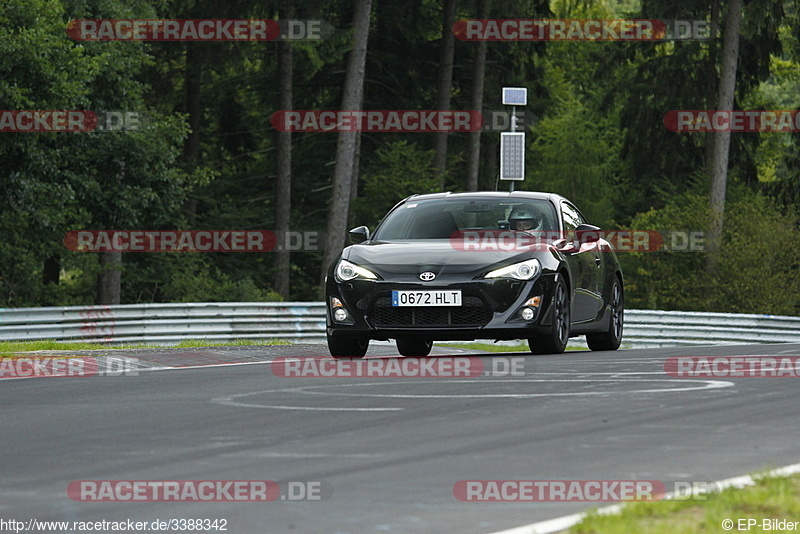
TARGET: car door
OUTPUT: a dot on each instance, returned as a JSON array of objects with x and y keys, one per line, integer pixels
[{"x": 586, "y": 267}]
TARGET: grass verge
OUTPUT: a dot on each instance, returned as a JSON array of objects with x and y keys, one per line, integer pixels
[
  {"x": 493, "y": 347},
  {"x": 489, "y": 347},
  {"x": 752, "y": 509},
  {"x": 13, "y": 347}
]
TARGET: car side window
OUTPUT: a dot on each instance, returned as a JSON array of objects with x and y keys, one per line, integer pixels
[{"x": 572, "y": 218}]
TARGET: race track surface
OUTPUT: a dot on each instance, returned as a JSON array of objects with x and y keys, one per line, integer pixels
[{"x": 386, "y": 452}]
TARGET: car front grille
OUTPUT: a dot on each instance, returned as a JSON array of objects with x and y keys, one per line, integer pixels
[{"x": 472, "y": 312}]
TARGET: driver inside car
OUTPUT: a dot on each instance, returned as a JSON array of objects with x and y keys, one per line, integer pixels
[{"x": 525, "y": 220}]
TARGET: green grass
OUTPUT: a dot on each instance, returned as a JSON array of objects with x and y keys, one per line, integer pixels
[
  {"x": 771, "y": 498},
  {"x": 489, "y": 347},
  {"x": 191, "y": 343},
  {"x": 12, "y": 347},
  {"x": 492, "y": 347}
]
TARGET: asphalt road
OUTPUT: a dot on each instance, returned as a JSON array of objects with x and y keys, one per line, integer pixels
[{"x": 386, "y": 453}]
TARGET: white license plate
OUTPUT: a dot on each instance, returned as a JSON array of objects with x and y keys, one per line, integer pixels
[{"x": 426, "y": 298}]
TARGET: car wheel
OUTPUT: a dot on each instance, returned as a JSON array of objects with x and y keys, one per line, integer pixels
[
  {"x": 556, "y": 340},
  {"x": 414, "y": 347},
  {"x": 347, "y": 347},
  {"x": 611, "y": 339}
]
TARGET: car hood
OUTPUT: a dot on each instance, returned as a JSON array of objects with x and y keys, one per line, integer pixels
[{"x": 438, "y": 256}]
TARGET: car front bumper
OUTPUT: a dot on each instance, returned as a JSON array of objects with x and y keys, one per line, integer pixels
[{"x": 491, "y": 309}]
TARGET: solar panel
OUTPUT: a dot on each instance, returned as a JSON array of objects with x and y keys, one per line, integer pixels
[
  {"x": 515, "y": 96},
  {"x": 512, "y": 156}
]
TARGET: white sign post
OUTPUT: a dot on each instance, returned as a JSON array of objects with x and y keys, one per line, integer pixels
[{"x": 512, "y": 144}]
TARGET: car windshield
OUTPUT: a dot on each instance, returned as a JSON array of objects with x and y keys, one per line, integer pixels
[{"x": 441, "y": 218}]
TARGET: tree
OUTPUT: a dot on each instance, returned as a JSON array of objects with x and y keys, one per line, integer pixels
[
  {"x": 722, "y": 139},
  {"x": 283, "y": 179},
  {"x": 353, "y": 94},
  {"x": 36, "y": 204},
  {"x": 476, "y": 103},
  {"x": 754, "y": 259},
  {"x": 67, "y": 180},
  {"x": 445, "y": 84},
  {"x": 599, "y": 139}
]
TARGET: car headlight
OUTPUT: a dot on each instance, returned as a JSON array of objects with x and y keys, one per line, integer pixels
[
  {"x": 347, "y": 271},
  {"x": 526, "y": 270}
]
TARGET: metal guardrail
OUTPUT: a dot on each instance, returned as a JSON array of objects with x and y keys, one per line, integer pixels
[
  {"x": 660, "y": 328},
  {"x": 166, "y": 323},
  {"x": 305, "y": 322}
]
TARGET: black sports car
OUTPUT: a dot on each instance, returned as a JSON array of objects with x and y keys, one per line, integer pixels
[{"x": 486, "y": 265}]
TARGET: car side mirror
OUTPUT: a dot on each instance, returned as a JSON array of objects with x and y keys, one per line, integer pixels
[
  {"x": 358, "y": 235},
  {"x": 587, "y": 233}
]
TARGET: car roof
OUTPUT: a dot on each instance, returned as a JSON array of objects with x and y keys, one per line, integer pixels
[{"x": 510, "y": 195}]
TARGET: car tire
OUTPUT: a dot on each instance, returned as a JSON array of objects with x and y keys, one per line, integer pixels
[
  {"x": 555, "y": 341},
  {"x": 347, "y": 347},
  {"x": 611, "y": 339},
  {"x": 414, "y": 347}
]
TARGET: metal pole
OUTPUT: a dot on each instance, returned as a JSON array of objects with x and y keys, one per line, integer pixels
[{"x": 513, "y": 129}]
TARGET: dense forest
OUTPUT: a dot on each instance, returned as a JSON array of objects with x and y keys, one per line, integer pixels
[{"x": 206, "y": 155}]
